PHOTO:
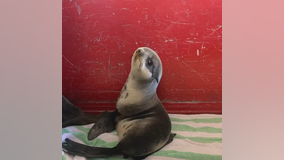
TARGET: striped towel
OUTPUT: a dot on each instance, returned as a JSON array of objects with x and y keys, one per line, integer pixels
[{"x": 199, "y": 137}]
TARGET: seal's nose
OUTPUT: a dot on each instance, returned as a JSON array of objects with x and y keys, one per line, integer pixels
[{"x": 139, "y": 52}]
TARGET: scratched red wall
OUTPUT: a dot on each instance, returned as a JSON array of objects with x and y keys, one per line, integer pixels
[{"x": 99, "y": 37}]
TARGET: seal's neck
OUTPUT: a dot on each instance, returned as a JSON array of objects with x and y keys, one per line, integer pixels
[
  {"x": 137, "y": 96},
  {"x": 146, "y": 87}
]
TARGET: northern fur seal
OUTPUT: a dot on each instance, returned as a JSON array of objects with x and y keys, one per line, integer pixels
[{"x": 141, "y": 121}]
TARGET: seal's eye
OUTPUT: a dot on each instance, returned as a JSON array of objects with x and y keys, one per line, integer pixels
[{"x": 150, "y": 62}]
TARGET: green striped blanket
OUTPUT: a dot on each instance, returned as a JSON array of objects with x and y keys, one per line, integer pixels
[{"x": 199, "y": 137}]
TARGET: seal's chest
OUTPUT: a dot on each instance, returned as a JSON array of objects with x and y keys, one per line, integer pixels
[{"x": 129, "y": 96}]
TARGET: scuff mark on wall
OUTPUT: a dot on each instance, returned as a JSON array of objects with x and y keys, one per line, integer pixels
[
  {"x": 78, "y": 7},
  {"x": 170, "y": 40},
  {"x": 69, "y": 61}
]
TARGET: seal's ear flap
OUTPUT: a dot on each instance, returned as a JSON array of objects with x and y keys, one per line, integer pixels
[
  {"x": 155, "y": 73},
  {"x": 157, "y": 79}
]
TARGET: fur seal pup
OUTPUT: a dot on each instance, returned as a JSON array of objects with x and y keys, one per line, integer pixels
[{"x": 140, "y": 119}]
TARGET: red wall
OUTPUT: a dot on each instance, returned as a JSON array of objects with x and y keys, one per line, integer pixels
[{"x": 99, "y": 37}]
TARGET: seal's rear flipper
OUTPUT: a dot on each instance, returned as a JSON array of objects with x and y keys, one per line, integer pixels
[
  {"x": 75, "y": 148},
  {"x": 171, "y": 138},
  {"x": 104, "y": 125}
]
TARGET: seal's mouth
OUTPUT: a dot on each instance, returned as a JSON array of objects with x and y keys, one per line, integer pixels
[{"x": 137, "y": 60}]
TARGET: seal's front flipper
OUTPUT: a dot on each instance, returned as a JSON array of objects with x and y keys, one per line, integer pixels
[{"x": 105, "y": 125}]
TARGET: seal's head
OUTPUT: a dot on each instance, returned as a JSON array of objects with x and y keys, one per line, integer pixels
[
  {"x": 139, "y": 91},
  {"x": 146, "y": 65}
]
